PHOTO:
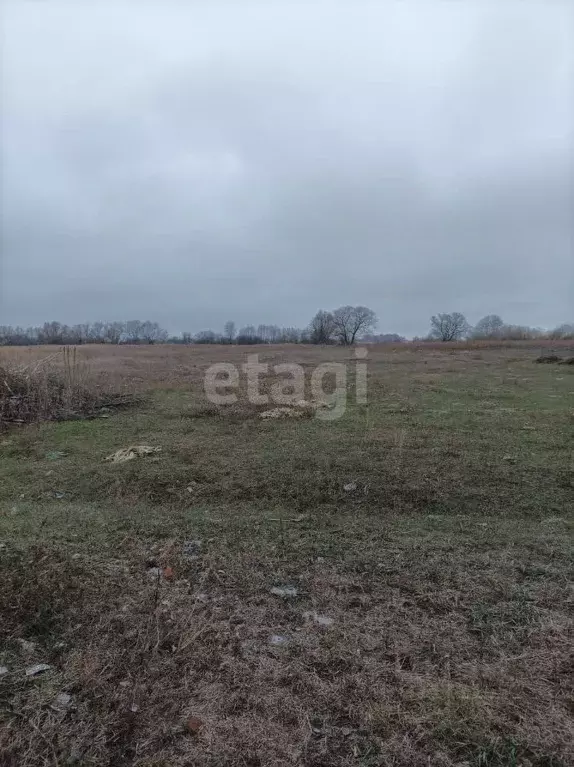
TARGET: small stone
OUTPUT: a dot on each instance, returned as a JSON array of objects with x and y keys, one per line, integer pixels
[
  {"x": 281, "y": 412},
  {"x": 4, "y": 670},
  {"x": 287, "y": 592},
  {"x": 63, "y": 700},
  {"x": 191, "y": 549},
  {"x": 278, "y": 640},
  {"x": 134, "y": 708},
  {"x": 39, "y": 668},
  {"x": 194, "y": 724},
  {"x": 322, "y": 620},
  {"x": 350, "y": 487},
  {"x": 27, "y": 647}
]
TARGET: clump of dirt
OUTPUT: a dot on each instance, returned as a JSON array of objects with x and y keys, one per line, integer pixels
[
  {"x": 242, "y": 411},
  {"x": 548, "y": 358},
  {"x": 129, "y": 453},
  {"x": 283, "y": 412}
]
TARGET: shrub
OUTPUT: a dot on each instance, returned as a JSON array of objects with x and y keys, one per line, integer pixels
[{"x": 57, "y": 388}]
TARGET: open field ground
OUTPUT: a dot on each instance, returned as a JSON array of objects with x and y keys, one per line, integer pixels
[{"x": 425, "y": 537}]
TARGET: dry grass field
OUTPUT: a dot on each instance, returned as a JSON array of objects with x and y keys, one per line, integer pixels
[{"x": 390, "y": 588}]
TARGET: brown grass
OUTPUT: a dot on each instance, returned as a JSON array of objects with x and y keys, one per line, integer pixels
[
  {"x": 168, "y": 365},
  {"x": 58, "y": 386},
  {"x": 147, "y": 586}
]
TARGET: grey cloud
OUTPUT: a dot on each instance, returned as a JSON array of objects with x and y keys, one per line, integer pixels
[{"x": 193, "y": 163}]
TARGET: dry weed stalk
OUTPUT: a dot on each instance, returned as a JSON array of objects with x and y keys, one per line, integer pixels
[{"x": 57, "y": 387}]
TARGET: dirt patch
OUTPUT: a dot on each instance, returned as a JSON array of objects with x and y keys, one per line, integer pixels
[
  {"x": 549, "y": 359},
  {"x": 284, "y": 412},
  {"x": 129, "y": 453}
]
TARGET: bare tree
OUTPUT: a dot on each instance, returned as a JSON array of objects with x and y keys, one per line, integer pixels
[
  {"x": 10, "y": 336},
  {"x": 449, "y": 327},
  {"x": 349, "y": 321},
  {"x": 263, "y": 333},
  {"x": 207, "y": 337},
  {"x": 383, "y": 338},
  {"x": 322, "y": 328},
  {"x": 113, "y": 332},
  {"x": 274, "y": 333},
  {"x": 521, "y": 333},
  {"x": 490, "y": 326},
  {"x": 289, "y": 336},
  {"x": 229, "y": 331},
  {"x": 96, "y": 334},
  {"x": 80, "y": 334},
  {"x": 152, "y": 332},
  {"x": 133, "y": 331},
  {"x": 248, "y": 335},
  {"x": 52, "y": 333},
  {"x": 564, "y": 331}
]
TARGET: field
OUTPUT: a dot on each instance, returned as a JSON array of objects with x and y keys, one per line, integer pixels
[{"x": 420, "y": 548}]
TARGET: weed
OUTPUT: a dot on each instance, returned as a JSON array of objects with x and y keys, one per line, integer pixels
[{"x": 52, "y": 390}]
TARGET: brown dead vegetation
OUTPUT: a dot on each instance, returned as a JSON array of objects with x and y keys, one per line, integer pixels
[
  {"x": 391, "y": 589},
  {"x": 57, "y": 387}
]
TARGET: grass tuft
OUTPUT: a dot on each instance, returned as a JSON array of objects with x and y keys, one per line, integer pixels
[{"x": 57, "y": 388}]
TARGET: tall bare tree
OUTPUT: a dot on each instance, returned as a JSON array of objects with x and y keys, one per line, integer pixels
[
  {"x": 564, "y": 331},
  {"x": 449, "y": 327},
  {"x": 322, "y": 328},
  {"x": 349, "y": 321},
  {"x": 490, "y": 326},
  {"x": 134, "y": 331},
  {"x": 152, "y": 332},
  {"x": 229, "y": 331},
  {"x": 113, "y": 332}
]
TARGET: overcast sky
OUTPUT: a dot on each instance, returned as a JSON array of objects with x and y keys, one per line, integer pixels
[{"x": 193, "y": 162}]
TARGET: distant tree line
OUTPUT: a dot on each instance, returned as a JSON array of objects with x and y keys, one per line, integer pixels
[
  {"x": 455, "y": 327},
  {"x": 130, "y": 332},
  {"x": 343, "y": 326},
  {"x": 250, "y": 334}
]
